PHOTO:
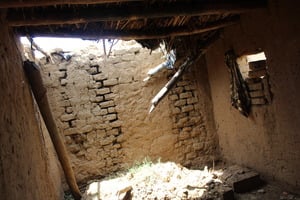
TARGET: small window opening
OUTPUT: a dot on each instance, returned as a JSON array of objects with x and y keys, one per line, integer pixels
[{"x": 254, "y": 70}]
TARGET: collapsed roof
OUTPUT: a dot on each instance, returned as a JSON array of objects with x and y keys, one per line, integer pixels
[{"x": 148, "y": 21}]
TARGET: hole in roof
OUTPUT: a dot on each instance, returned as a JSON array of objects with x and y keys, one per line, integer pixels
[{"x": 49, "y": 44}]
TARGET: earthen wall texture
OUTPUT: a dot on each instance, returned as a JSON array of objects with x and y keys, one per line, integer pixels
[
  {"x": 28, "y": 166},
  {"x": 101, "y": 105},
  {"x": 269, "y": 139}
]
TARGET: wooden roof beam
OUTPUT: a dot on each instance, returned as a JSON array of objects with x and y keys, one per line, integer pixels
[
  {"x": 126, "y": 35},
  {"x": 41, "y": 3},
  {"x": 92, "y": 14}
]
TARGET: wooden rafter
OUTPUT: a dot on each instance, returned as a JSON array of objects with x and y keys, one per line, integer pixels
[
  {"x": 37, "y": 3},
  {"x": 137, "y": 34},
  {"x": 28, "y": 17}
]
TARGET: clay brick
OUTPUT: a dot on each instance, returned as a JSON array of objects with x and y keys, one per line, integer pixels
[
  {"x": 120, "y": 138},
  {"x": 107, "y": 140},
  {"x": 110, "y": 117},
  {"x": 96, "y": 110},
  {"x": 94, "y": 85},
  {"x": 192, "y": 100},
  {"x": 178, "y": 90},
  {"x": 173, "y": 97},
  {"x": 187, "y": 129},
  {"x": 91, "y": 136},
  {"x": 182, "y": 121},
  {"x": 107, "y": 104},
  {"x": 86, "y": 129},
  {"x": 187, "y": 108},
  {"x": 258, "y": 101},
  {"x": 100, "y": 126},
  {"x": 108, "y": 128},
  {"x": 73, "y": 148},
  {"x": 110, "y": 82},
  {"x": 180, "y": 102},
  {"x": 198, "y": 146},
  {"x": 191, "y": 155},
  {"x": 110, "y": 96},
  {"x": 70, "y": 131},
  {"x": 189, "y": 87},
  {"x": 102, "y": 91},
  {"x": 114, "y": 131},
  {"x": 97, "y": 99},
  {"x": 184, "y": 135},
  {"x": 67, "y": 117},
  {"x": 255, "y": 86},
  {"x": 62, "y": 74},
  {"x": 258, "y": 93},
  {"x": 63, "y": 82},
  {"x": 116, "y": 124},
  {"x": 69, "y": 110},
  {"x": 103, "y": 112},
  {"x": 111, "y": 110},
  {"x": 99, "y": 77},
  {"x": 186, "y": 95},
  {"x": 176, "y": 110},
  {"x": 182, "y": 83}
]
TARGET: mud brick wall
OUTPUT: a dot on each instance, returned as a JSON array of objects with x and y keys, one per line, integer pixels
[
  {"x": 192, "y": 119},
  {"x": 269, "y": 139},
  {"x": 29, "y": 168},
  {"x": 101, "y": 106}
]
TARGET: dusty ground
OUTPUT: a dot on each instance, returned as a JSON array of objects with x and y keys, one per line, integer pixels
[{"x": 172, "y": 181}]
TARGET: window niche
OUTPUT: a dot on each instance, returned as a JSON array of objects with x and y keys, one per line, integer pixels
[{"x": 254, "y": 71}]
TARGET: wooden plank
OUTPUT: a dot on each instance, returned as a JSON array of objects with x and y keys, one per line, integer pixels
[
  {"x": 257, "y": 93},
  {"x": 35, "y": 3},
  {"x": 258, "y": 65},
  {"x": 137, "y": 34},
  {"x": 257, "y": 73},
  {"x": 29, "y": 17}
]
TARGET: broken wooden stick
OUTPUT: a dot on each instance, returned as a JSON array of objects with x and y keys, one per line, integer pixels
[
  {"x": 160, "y": 95},
  {"x": 33, "y": 44}
]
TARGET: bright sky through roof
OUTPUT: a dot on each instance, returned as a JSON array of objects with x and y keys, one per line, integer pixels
[{"x": 67, "y": 44}]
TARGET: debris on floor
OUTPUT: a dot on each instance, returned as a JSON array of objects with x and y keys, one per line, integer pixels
[{"x": 170, "y": 181}]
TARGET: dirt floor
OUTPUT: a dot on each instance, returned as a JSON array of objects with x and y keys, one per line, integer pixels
[{"x": 172, "y": 181}]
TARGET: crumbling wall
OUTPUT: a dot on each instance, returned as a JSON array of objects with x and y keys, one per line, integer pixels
[
  {"x": 101, "y": 105},
  {"x": 190, "y": 104},
  {"x": 28, "y": 166},
  {"x": 269, "y": 139}
]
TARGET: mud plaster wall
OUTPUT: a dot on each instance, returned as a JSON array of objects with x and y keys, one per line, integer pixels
[
  {"x": 101, "y": 106},
  {"x": 28, "y": 166},
  {"x": 269, "y": 139}
]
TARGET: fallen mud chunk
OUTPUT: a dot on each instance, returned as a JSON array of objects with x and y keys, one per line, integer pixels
[{"x": 241, "y": 179}]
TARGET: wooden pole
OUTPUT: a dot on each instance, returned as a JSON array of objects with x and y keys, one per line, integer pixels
[
  {"x": 29, "y": 17},
  {"x": 35, "y": 3},
  {"x": 39, "y": 91},
  {"x": 138, "y": 34},
  {"x": 176, "y": 77}
]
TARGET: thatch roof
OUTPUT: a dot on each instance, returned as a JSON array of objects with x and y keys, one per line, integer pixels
[{"x": 148, "y": 20}]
